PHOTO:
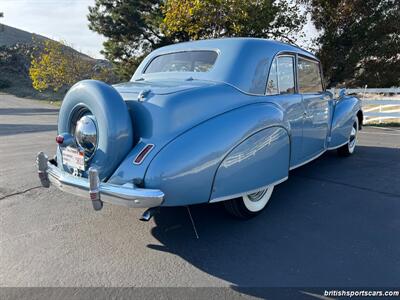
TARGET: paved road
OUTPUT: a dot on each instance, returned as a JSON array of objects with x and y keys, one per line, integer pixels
[{"x": 335, "y": 222}]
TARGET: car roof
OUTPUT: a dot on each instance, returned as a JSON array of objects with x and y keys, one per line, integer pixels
[
  {"x": 242, "y": 62},
  {"x": 237, "y": 42}
]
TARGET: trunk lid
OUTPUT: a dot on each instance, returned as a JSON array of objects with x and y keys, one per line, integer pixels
[
  {"x": 163, "y": 109},
  {"x": 130, "y": 89}
]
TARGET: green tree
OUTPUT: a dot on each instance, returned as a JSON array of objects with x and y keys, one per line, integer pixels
[
  {"x": 200, "y": 19},
  {"x": 133, "y": 28},
  {"x": 360, "y": 41},
  {"x": 56, "y": 66}
]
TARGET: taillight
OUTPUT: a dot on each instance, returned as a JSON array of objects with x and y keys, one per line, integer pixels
[
  {"x": 59, "y": 139},
  {"x": 142, "y": 155}
]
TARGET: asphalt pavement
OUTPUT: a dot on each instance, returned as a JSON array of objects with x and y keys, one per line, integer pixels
[{"x": 334, "y": 222}]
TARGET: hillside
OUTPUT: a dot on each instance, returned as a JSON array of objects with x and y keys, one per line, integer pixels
[
  {"x": 10, "y": 36},
  {"x": 16, "y": 48}
]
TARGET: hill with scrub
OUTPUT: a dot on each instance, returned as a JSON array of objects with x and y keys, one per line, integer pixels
[{"x": 17, "y": 47}]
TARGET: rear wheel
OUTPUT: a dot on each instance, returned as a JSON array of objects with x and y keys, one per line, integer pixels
[
  {"x": 348, "y": 149},
  {"x": 249, "y": 205}
]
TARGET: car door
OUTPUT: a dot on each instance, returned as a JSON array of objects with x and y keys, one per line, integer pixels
[
  {"x": 281, "y": 83},
  {"x": 316, "y": 104}
]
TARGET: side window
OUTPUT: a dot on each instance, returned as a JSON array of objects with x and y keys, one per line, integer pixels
[
  {"x": 272, "y": 83},
  {"x": 286, "y": 74},
  {"x": 309, "y": 76}
]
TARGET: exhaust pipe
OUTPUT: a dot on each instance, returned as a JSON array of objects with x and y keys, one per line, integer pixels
[{"x": 148, "y": 214}]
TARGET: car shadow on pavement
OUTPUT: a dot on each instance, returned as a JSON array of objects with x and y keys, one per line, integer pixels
[
  {"x": 332, "y": 224},
  {"x": 13, "y": 129},
  {"x": 28, "y": 111}
]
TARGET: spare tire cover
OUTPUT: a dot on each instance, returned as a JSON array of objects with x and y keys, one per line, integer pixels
[{"x": 113, "y": 122}]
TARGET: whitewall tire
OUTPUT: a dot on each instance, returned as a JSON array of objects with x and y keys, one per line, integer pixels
[
  {"x": 249, "y": 205},
  {"x": 349, "y": 147}
]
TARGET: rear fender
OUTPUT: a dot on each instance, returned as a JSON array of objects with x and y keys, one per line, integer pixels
[
  {"x": 259, "y": 161},
  {"x": 186, "y": 167},
  {"x": 344, "y": 115}
]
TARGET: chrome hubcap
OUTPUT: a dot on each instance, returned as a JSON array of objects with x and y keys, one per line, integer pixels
[
  {"x": 86, "y": 135},
  {"x": 255, "y": 202},
  {"x": 353, "y": 138},
  {"x": 257, "y": 196}
]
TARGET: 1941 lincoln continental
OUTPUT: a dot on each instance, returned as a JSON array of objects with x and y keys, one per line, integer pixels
[{"x": 204, "y": 121}]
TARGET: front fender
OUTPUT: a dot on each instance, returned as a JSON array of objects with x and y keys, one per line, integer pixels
[
  {"x": 186, "y": 167},
  {"x": 343, "y": 118}
]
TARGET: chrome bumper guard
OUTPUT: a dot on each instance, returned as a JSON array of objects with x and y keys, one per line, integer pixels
[{"x": 99, "y": 192}]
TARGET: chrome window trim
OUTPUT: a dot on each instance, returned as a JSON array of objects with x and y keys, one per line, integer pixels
[{"x": 309, "y": 59}]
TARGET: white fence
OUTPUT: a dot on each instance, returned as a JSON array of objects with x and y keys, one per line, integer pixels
[{"x": 378, "y": 104}]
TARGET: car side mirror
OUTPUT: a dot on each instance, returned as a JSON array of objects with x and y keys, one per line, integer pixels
[{"x": 342, "y": 94}]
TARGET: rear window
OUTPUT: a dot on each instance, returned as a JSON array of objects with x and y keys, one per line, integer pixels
[{"x": 189, "y": 61}]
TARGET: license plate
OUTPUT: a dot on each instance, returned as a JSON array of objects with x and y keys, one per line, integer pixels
[{"x": 74, "y": 158}]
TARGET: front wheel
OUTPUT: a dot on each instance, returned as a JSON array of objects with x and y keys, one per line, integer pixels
[
  {"x": 249, "y": 205},
  {"x": 348, "y": 149}
]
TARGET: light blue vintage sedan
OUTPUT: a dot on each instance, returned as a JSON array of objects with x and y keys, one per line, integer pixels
[{"x": 205, "y": 121}]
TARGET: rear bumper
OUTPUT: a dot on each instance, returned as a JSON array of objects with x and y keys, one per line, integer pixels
[{"x": 125, "y": 195}]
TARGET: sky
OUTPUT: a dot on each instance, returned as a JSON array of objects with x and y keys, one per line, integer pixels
[
  {"x": 66, "y": 20},
  {"x": 57, "y": 19}
]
